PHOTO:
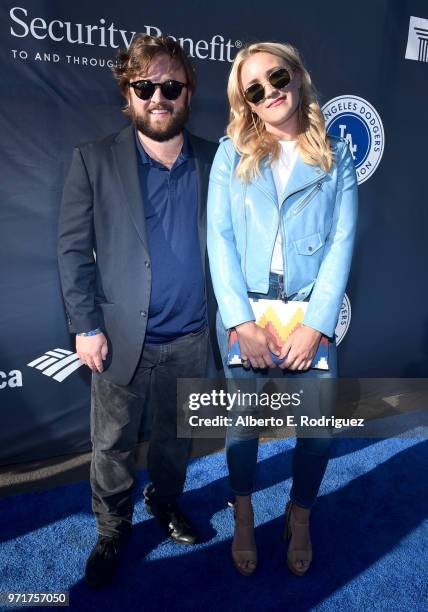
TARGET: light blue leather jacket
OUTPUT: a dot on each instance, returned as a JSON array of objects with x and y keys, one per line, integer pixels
[{"x": 317, "y": 219}]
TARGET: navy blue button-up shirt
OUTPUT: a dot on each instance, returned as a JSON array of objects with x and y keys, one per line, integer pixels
[{"x": 170, "y": 197}]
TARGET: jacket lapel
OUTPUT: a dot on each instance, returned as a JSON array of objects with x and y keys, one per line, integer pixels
[
  {"x": 125, "y": 156},
  {"x": 265, "y": 182},
  {"x": 203, "y": 165},
  {"x": 302, "y": 175}
]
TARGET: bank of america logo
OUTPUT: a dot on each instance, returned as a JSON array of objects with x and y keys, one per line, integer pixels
[
  {"x": 417, "y": 42},
  {"x": 57, "y": 364}
]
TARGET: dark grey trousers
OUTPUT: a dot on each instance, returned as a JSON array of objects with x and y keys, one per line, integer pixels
[{"x": 120, "y": 415}]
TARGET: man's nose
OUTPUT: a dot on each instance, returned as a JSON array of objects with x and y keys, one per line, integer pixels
[{"x": 158, "y": 95}]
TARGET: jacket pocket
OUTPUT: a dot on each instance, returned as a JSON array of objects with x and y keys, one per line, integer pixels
[{"x": 308, "y": 245}]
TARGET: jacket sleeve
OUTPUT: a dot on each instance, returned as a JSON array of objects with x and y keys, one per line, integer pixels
[
  {"x": 327, "y": 295},
  {"x": 228, "y": 280},
  {"x": 76, "y": 248}
]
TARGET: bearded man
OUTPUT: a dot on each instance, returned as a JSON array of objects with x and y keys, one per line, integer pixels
[{"x": 132, "y": 254}]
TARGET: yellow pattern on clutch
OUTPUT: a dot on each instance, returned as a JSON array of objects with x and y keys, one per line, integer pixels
[{"x": 270, "y": 316}]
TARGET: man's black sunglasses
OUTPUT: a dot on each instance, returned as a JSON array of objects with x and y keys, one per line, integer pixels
[
  {"x": 170, "y": 89},
  {"x": 279, "y": 78}
]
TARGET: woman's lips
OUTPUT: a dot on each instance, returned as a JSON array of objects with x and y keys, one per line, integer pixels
[{"x": 277, "y": 101}]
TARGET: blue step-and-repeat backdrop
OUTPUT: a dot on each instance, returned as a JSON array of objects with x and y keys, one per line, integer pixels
[{"x": 369, "y": 61}]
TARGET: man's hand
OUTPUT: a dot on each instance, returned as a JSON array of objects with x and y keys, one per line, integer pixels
[
  {"x": 300, "y": 348},
  {"x": 255, "y": 344},
  {"x": 92, "y": 350}
]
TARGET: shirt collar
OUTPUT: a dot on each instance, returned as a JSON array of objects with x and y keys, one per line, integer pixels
[{"x": 145, "y": 158}]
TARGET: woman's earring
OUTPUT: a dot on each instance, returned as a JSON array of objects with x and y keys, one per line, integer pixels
[{"x": 255, "y": 124}]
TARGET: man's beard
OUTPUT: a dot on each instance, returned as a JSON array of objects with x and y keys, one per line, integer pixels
[{"x": 173, "y": 128}]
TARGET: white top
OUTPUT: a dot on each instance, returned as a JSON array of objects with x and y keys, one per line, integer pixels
[{"x": 281, "y": 170}]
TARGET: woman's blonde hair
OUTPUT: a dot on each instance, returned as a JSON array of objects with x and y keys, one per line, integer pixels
[{"x": 247, "y": 130}]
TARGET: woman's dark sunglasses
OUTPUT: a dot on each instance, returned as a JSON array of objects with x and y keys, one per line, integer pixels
[
  {"x": 279, "y": 78},
  {"x": 170, "y": 89}
]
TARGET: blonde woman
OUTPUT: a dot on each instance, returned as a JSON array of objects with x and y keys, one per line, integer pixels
[{"x": 282, "y": 211}]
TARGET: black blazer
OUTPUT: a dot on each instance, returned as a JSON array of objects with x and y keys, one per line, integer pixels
[{"x": 103, "y": 254}]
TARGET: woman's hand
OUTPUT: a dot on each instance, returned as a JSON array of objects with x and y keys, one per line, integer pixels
[
  {"x": 299, "y": 348},
  {"x": 255, "y": 344}
]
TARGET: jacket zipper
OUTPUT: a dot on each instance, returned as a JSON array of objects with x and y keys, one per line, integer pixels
[
  {"x": 246, "y": 237},
  {"x": 274, "y": 240},
  {"x": 246, "y": 229},
  {"x": 308, "y": 198},
  {"x": 284, "y": 263}
]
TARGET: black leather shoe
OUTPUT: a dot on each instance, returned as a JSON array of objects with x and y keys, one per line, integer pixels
[
  {"x": 168, "y": 513},
  {"x": 102, "y": 563}
]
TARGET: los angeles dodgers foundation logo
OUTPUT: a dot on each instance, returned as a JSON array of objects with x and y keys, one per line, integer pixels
[
  {"x": 344, "y": 320},
  {"x": 357, "y": 121}
]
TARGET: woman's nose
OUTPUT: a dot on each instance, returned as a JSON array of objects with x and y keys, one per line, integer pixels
[{"x": 270, "y": 91}]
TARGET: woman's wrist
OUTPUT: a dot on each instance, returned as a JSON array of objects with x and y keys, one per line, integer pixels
[
  {"x": 316, "y": 332},
  {"x": 245, "y": 325}
]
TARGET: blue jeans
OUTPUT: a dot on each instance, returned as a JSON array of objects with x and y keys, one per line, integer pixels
[{"x": 311, "y": 454}]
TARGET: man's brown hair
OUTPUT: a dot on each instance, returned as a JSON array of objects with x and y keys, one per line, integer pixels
[{"x": 136, "y": 60}]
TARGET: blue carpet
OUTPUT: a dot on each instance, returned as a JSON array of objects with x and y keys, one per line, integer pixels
[{"x": 369, "y": 534}]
